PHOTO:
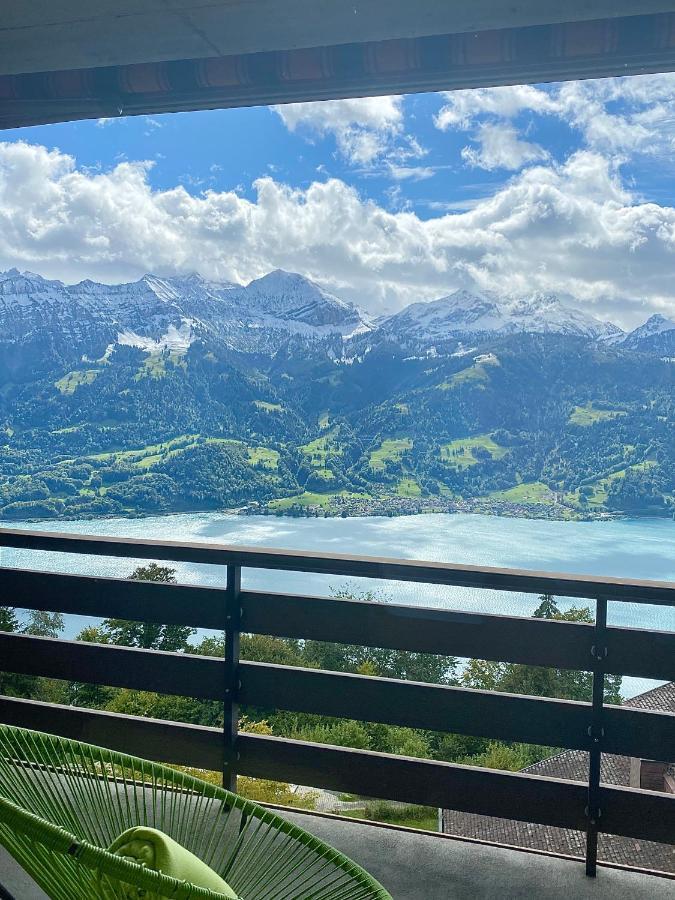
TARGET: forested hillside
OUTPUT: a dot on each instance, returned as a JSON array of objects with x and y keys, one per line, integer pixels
[{"x": 97, "y": 419}]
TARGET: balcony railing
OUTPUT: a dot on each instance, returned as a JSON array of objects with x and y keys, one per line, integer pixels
[{"x": 595, "y": 727}]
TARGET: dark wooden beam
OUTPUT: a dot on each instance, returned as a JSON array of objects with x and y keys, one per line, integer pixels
[
  {"x": 485, "y": 577},
  {"x": 647, "y": 654},
  {"x": 644, "y": 815},
  {"x": 510, "y": 717}
]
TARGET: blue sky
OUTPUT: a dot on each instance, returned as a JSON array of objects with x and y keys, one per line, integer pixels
[
  {"x": 560, "y": 188},
  {"x": 229, "y": 149}
]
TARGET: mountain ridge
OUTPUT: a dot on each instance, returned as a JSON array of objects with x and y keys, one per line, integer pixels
[{"x": 261, "y": 315}]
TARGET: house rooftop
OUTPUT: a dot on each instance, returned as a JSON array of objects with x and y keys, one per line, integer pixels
[{"x": 572, "y": 765}]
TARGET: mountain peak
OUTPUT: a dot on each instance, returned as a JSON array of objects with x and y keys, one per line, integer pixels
[
  {"x": 295, "y": 298},
  {"x": 281, "y": 279},
  {"x": 657, "y": 322},
  {"x": 465, "y": 313},
  {"x": 656, "y": 334}
]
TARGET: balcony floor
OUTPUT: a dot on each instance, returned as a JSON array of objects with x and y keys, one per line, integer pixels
[{"x": 412, "y": 865}]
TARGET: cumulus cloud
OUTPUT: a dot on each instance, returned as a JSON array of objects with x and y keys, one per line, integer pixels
[
  {"x": 463, "y": 107},
  {"x": 364, "y": 129},
  {"x": 501, "y": 148},
  {"x": 623, "y": 116},
  {"x": 573, "y": 228}
]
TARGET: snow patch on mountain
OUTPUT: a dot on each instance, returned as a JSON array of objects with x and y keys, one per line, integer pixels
[
  {"x": 176, "y": 339},
  {"x": 158, "y": 312}
]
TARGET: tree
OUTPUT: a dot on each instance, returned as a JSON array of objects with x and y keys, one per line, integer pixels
[
  {"x": 94, "y": 696},
  {"x": 39, "y": 624},
  {"x": 401, "y": 664},
  {"x": 542, "y": 681},
  {"x": 43, "y": 624},
  {"x": 10, "y": 684},
  {"x": 547, "y": 608},
  {"x": 148, "y": 635},
  {"x": 8, "y": 619}
]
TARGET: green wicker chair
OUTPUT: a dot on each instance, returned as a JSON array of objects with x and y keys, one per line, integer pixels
[{"x": 63, "y": 802}]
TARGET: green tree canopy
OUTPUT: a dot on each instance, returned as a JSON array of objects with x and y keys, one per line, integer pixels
[{"x": 148, "y": 635}]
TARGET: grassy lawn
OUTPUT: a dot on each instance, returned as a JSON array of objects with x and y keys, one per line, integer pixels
[
  {"x": 588, "y": 415},
  {"x": 320, "y": 449},
  {"x": 310, "y": 498},
  {"x": 528, "y": 492},
  {"x": 70, "y": 382},
  {"x": 147, "y": 461},
  {"x": 146, "y": 457},
  {"x": 475, "y": 374},
  {"x": 600, "y": 488},
  {"x": 412, "y": 817},
  {"x": 139, "y": 456},
  {"x": 269, "y": 459},
  {"x": 155, "y": 364},
  {"x": 69, "y": 430},
  {"x": 459, "y": 452},
  {"x": 408, "y": 487},
  {"x": 389, "y": 449},
  {"x": 307, "y": 498}
]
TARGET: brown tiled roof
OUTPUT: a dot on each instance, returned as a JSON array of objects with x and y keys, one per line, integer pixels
[
  {"x": 572, "y": 765},
  {"x": 661, "y": 698}
]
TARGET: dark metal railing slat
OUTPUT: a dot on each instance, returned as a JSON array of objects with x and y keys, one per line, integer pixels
[
  {"x": 596, "y": 734},
  {"x": 232, "y": 682}
]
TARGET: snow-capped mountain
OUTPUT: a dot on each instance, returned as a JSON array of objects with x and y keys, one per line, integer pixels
[
  {"x": 294, "y": 299},
  {"x": 172, "y": 312},
  {"x": 657, "y": 335},
  {"x": 464, "y": 315},
  {"x": 41, "y": 317}
]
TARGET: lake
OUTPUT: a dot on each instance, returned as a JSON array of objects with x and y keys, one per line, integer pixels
[{"x": 628, "y": 548}]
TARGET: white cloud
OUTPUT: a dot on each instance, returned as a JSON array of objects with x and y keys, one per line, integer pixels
[
  {"x": 364, "y": 129},
  {"x": 411, "y": 173},
  {"x": 463, "y": 107},
  {"x": 501, "y": 148},
  {"x": 623, "y": 116},
  {"x": 572, "y": 228}
]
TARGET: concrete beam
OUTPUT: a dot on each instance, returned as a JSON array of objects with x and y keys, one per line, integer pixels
[{"x": 51, "y": 35}]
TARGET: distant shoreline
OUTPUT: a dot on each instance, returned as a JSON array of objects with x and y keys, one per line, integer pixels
[{"x": 541, "y": 513}]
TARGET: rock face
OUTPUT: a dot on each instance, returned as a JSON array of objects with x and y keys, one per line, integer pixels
[{"x": 297, "y": 301}]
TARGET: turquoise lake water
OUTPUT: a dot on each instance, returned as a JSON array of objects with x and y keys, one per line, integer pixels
[{"x": 629, "y": 548}]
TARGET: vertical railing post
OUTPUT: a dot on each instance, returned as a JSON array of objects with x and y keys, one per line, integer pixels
[
  {"x": 231, "y": 687},
  {"x": 596, "y": 733}
]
